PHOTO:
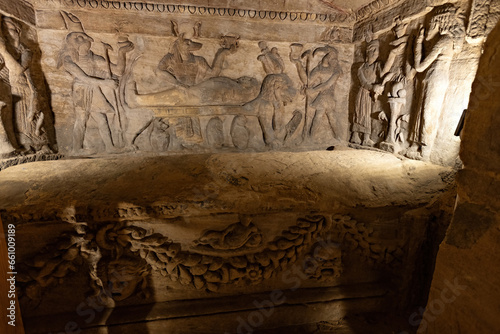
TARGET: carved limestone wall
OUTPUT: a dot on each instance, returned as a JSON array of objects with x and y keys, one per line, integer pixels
[
  {"x": 151, "y": 232},
  {"x": 161, "y": 77},
  {"x": 187, "y": 80}
]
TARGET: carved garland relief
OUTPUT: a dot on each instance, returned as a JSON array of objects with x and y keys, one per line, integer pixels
[{"x": 119, "y": 256}]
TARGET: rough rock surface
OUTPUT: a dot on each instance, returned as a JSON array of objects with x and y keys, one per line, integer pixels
[
  {"x": 464, "y": 295},
  {"x": 252, "y": 182}
]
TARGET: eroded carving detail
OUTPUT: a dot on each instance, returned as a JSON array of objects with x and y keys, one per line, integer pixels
[
  {"x": 238, "y": 236},
  {"x": 22, "y": 127},
  {"x": 478, "y": 22},
  {"x": 324, "y": 263},
  {"x": 270, "y": 59},
  {"x": 362, "y": 239}
]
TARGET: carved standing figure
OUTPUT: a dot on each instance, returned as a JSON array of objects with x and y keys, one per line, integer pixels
[
  {"x": 6, "y": 148},
  {"x": 318, "y": 84},
  {"x": 447, "y": 22},
  {"x": 322, "y": 80},
  {"x": 7, "y": 137},
  {"x": 369, "y": 75},
  {"x": 27, "y": 117},
  {"x": 94, "y": 83}
]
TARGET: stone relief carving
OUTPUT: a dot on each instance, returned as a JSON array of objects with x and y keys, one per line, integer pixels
[
  {"x": 370, "y": 75},
  {"x": 149, "y": 7},
  {"x": 238, "y": 236},
  {"x": 411, "y": 103},
  {"x": 399, "y": 80},
  {"x": 277, "y": 90},
  {"x": 6, "y": 126},
  {"x": 120, "y": 256},
  {"x": 363, "y": 239},
  {"x": 478, "y": 21},
  {"x": 448, "y": 24},
  {"x": 324, "y": 263},
  {"x": 270, "y": 59},
  {"x": 318, "y": 86},
  {"x": 191, "y": 81},
  {"x": 22, "y": 129},
  {"x": 198, "y": 108},
  {"x": 105, "y": 93},
  {"x": 95, "y": 89}
]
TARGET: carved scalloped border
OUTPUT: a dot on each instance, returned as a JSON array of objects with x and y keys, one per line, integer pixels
[
  {"x": 373, "y": 8},
  {"x": 152, "y": 7}
]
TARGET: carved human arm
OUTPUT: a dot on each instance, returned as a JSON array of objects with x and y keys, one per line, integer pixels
[
  {"x": 79, "y": 74},
  {"x": 422, "y": 64},
  {"x": 392, "y": 57},
  {"x": 119, "y": 68},
  {"x": 328, "y": 83},
  {"x": 362, "y": 79},
  {"x": 410, "y": 71},
  {"x": 218, "y": 62},
  {"x": 11, "y": 63}
]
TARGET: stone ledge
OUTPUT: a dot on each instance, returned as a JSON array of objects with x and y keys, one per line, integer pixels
[{"x": 253, "y": 182}]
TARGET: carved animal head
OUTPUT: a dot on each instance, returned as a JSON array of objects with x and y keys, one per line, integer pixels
[
  {"x": 229, "y": 42},
  {"x": 78, "y": 40},
  {"x": 278, "y": 88},
  {"x": 331, "y": 55},
  {"x": 182, "y": 47}
]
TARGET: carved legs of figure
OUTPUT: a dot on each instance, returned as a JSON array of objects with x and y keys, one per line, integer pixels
[
  {"x": 318, "y": 116},
  {"x": 356, "y": 139},
  {"x": 80, "y": 128},
  {"x": 266, "y": 121},
  {"x": 6, "y": 148},
  {"x": 426, "y": 124}
]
